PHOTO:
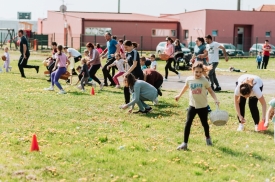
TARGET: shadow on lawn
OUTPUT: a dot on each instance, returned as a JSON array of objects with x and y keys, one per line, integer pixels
[{"x": 231, "y": 152}]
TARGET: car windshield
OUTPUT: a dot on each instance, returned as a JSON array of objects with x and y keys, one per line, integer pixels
[
  {"x": 229, "y": 46},
  {"x": 272, "y": 46},
  {"x": 162, "y": 44}
]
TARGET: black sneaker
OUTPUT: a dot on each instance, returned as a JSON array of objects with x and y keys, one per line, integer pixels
[
  {"x": 105, "y": 84},
  {"x": 68, "y": 81},
  {"x": 49, "y": 80},
  {"x": 37, "y": 69},
  {"x": 149, "y": 109},
  {"x": 218, "y": 88},
  {"x": 112, "y": 84},
  {"x": 141, "y": 112}
]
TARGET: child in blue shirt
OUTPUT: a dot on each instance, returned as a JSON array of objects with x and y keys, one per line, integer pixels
[{"x": 259, "y": 60}]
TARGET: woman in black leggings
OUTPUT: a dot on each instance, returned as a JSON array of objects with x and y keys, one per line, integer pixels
[
  {"x": 169, "y": 50},
  {"x": 249, "y": 86},
  {"x": 94, "y": 62}
]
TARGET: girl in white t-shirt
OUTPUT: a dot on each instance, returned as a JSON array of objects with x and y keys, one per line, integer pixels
[
  {"x": 7, "y": 62},
  {"x": 119, "y": 63},
  {"x": 249, "y": 86},
  {"x": 198, "y": 87}
]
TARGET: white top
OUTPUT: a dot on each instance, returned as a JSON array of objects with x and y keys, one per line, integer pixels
[
  {"x": 213, "y": 52},
  {"x": 119, "y": 64},
  {"x": 153, "y": 65},
  {"x": 7, "y": 55},
  {"x": 256, "y": 88},
  {"x": 73, "y": 52}
]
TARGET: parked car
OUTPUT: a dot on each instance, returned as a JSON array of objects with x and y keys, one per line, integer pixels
[
  {"x": 259, "y": 48},
  {"x": 231, "y": 50},
  {"x": 161, "y": 45}
]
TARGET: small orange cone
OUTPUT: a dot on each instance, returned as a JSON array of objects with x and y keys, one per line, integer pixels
[
  {"x": 261, "y": 126},
  {"x": 92, "y": 91},
  {"x": 34, "y": 145}
]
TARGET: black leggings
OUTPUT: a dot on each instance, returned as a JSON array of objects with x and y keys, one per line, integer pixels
[
  {"x": 253, "y": 101},
  {"x": 157, "y": 85},
  {"x": 106, "y": 72},
  {"x": 265, "y": 62},
  {"x": 168, "y": 66},
  {"x": 93, "y": 71},
  {"x": 192, "y": 111}
]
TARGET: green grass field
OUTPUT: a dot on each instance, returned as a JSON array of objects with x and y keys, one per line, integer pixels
[{"x": 88, "y": 138}]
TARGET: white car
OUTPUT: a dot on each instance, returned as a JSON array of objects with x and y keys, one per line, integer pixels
[{"x": 161, "y": 45}]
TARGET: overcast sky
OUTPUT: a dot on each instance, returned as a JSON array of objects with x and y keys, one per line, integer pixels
[{"x": 39, "y": 8}]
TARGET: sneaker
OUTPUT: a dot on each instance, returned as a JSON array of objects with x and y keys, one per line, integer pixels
[
  {"x": 49, "y": 80},
  {"x": 61, "y": 92},
  {"x": 208, "y": 141},
  {"x": 256, "y": 128},
  {"x": 218, "y": 88},
  {"x": 141, "y": 112},
  {"x": 156, "y": 102},
  {"x": 68, "y": 81},
  {"x": 112, "y": 84},
  {"x": 182, "y": 146},
  {"x": 101, "y": 86},
  {"x": 49, "y": 89},
  {"x": 150, "y": 109},
  {"x": 105, "y": 84},
  {"x": 159, "y": 92},
  {"x": 79, "y": 87},
  {"x": 179, "y": 75},
  {"x": 82, "y": 90},
  {"x": 117, "y": 86},
  {"x": 241, "y": 127},
  {"x": 37, "y": 69},
  {"x": 164, "y": 79}
]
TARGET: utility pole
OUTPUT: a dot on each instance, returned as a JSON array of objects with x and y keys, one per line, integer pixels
[
  {"x": 239, "y": 5},
  {"x": 118, "y": 6}
]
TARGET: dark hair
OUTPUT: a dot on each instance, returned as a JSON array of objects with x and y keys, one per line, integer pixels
[
  {"x": 267, "y": 40},
  {"x": 135, "y": 45},
  {"x": 177, "y": 41},
  {"x": 66, "y": 47},
  {"x": 143, "y": 58},
  {"x": 153, "y": 56},
  {"x": 114, "y": 37},
  {"x": 131, "y": 80},
  {"x": 201, "y": 39},
  {"x": 79, "y": 67},
  {"x": 197, "y": 65},
  {"x": 170, "y": 39},
  {"x": 245, "y": 89},
  {"x": 98, "y": 45},
  {"x": 108, "y": 33},
  {"x": 59, "y": 48},
  {"x": 208, "y": 37},
  {"x": 54, "y": 44},
  {"x": 21, "y": 31},
  {"x": 120, "y": 40},
  {"x": 127, "y": 43},
  {"x": 89, "y": 44}
]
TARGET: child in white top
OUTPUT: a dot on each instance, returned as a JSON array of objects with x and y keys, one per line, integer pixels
[
  {"x": 119, "y": 63},
  {"x": 7, "y": 62},
  {"x": 198, "y": 88},
  {"x": 153, "y": 62}
]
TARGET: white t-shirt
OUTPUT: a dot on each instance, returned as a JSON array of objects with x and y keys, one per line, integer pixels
[
  {"x": 73, "y": 52},
  {"x": 7, "y": 55},
  {"x": 213, "y": 52},
  {"x": 119, "y": 64},
  {"x": 197, "y": 91},
  {"x": 153, "y": 65},
  {"x": 256, "y": 91}
]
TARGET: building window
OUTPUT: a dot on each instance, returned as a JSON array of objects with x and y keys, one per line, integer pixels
[
  {"x": 97, "y": 31},
  {"x": 214, "y": 33},
  {"x": 186, "y": 34},
  {"x": 268, "y": 34},
  {"x": 164, "y": 32}
]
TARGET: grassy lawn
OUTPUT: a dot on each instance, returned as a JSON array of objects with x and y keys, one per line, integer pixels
[{"x": 88, "y": 138}]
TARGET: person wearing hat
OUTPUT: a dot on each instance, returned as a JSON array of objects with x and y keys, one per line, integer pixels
[{"x": 213, "y": 55}]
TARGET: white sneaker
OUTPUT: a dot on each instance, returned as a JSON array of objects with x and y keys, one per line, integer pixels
[
  {"x": 79, "y": 87},
  {"x": 82, "y": 90},
  {"x": 101, "y": 86},
  {"x": 164, "y": 79},
  {"x": 156, "y": 102},
  {"x": 179, "y": 75},
  {"x": 241, "y": 127},
  {"x": 182, "y": 146},
  {"x": 117, "y": 86},
  {"x": 49, "y": 89},
  {"x": 61, "y": 92},
  {"x": 256, "y": 127}
]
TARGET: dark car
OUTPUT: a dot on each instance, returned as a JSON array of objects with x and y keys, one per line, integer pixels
[{"x": 231, "y": 50}]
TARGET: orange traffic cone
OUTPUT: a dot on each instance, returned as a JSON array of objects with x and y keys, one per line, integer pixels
[
  {"x": 34, "y": 145},
  {"x": 92, "y": 91},
  {"x": 261, "y": 126}
]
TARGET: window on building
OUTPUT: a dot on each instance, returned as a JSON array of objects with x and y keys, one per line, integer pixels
[
  {"x": 164, "y": 32},
  {"x": 214, "y": 33},
  {"x": 186, "y": 34},
  {"x": 97, "y": 31},
  {"x": 268, "y": 34}
]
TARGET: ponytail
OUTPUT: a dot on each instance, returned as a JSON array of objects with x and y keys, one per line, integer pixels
[{"x": 59, "y": 48}]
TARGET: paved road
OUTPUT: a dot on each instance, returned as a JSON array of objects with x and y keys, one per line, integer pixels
[{"x": 227, "y": 83}]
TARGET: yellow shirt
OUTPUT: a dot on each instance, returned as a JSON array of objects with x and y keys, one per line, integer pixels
[{"x": 197, "y": 91}]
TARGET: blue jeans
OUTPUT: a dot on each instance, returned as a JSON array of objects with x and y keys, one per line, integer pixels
[
  {"x": 56, "y": 75},
  {"x": 212, "y": 75},
  {"x": 141, "y": 105}
]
